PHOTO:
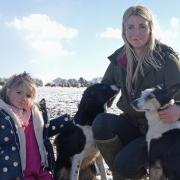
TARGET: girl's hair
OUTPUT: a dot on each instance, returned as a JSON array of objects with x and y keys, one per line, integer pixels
[
  {"x": 147, "y": 59},
  {"x": 15, "y": 81}
]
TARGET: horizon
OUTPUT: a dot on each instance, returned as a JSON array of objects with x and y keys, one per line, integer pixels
[
  {"x": 71, "y": 39},
  {"x": 89, "y": 80}
]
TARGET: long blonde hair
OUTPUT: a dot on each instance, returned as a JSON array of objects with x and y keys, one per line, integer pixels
[{"x": 147, "y": 59}]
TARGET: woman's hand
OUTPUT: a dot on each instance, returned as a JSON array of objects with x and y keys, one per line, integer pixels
[{"x": 170, "y": 113}]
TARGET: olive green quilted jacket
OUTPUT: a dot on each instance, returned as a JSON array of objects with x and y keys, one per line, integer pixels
[{"x": 167, "y": 75}]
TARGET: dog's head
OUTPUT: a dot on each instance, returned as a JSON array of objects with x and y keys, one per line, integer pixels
[
  {"x": 154, "y": 98},
  {"x": 93, "y": 102}
]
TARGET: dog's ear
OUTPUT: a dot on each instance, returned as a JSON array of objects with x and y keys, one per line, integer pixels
[
  {"x": 172, "y": 91},
  {"x": 160, "y": 86}
]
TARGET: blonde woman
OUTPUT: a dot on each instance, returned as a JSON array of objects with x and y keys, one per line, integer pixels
[{"x": 142, "y": 62}]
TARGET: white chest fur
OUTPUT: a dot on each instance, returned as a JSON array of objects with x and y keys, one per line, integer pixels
[
  {"x": 157, "y": 127},
  {"x": 89, "y": 154},
  {"x": 90, "y": 148}
]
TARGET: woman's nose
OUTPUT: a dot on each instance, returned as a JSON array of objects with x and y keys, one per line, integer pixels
[{"x": 136, "y": 32}]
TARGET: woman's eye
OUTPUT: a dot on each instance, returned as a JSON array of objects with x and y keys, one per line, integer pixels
[
  {"x": 130, "y": 27},
  {"x": 18, "y": 92},
  {"x": 143, "y": 26}
]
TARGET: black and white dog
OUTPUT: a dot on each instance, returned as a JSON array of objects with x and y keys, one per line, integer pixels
[
  {"x": 163, "y": 139},
  {"x": 76, "y": 148}
]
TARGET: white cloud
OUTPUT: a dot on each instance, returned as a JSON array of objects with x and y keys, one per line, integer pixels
[
  {"x": 111, "y": 33},
  {"x": 43, "y": 34},
  {"x": 174, "y": 22},
  {"x": 49, "y": 47},
  {"x": 170, "y": 35}
]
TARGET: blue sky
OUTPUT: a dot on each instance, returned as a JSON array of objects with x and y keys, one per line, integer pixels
[{"x": 71, "y": 38}]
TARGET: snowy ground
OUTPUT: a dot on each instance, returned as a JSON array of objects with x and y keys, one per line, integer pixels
[{"x": 65, "y": 100}]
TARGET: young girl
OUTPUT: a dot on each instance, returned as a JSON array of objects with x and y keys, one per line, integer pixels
[{"x": 25, "y": 150}]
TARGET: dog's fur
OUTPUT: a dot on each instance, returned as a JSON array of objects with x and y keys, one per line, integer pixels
[
  {"x": 163, "y": 139},
  {"x": 74, "y": 162}
]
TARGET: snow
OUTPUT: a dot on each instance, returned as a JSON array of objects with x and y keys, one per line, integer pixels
[{"x": 61, "y": 100}]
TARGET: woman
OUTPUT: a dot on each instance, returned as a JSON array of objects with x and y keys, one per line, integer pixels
[{"x": 143, "y": 62}]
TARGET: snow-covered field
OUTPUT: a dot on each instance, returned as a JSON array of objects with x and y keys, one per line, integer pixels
[{"x": 64, "y": 100}]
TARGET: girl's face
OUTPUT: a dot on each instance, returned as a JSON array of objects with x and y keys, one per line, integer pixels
[
  {"x": 22, "y": 97},
  {"x": 137, "y": 32}
]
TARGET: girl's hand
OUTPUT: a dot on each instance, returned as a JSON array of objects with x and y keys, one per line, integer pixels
[{"x": 170, "y": 113}]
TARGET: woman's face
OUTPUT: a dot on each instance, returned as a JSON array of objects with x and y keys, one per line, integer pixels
[
  {"x": 21, "y": 97},
  {"x": 137, "y": 32}
]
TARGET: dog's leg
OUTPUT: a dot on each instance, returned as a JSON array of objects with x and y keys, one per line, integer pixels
[
  {"x": 156, "y": 172},
  {"x": 100, "y": 165},
  {"x": 62, "y": 174},
  {"x": 76, "y": 163}
]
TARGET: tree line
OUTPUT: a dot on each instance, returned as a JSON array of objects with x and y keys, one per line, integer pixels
[{"x": 60, "y": 82}]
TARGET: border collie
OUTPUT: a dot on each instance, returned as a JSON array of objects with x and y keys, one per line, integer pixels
[
  {"x": 76, "y": 149},
  {"x": 163, "y": 139}
]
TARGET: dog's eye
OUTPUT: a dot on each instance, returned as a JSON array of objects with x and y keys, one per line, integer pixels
[{"x": 150, "y": 96}]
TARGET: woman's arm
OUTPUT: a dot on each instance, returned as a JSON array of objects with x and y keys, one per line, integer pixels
[{"x": 171, "y": 112}]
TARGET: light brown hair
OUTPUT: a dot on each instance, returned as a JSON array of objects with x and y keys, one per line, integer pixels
[{"x": 15, "y": 81}]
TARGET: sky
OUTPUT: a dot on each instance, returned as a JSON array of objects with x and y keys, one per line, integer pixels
[{"x": 71, "y": 38}]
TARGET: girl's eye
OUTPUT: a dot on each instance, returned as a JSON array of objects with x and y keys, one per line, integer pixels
[
  {"x": 142, "y": 27},
  {"x": 28, "y": 96},
  {"x": 18, "y": 92}
]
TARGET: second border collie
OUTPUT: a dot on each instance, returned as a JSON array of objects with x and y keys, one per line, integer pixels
[{"x": 163, "y": 139}]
